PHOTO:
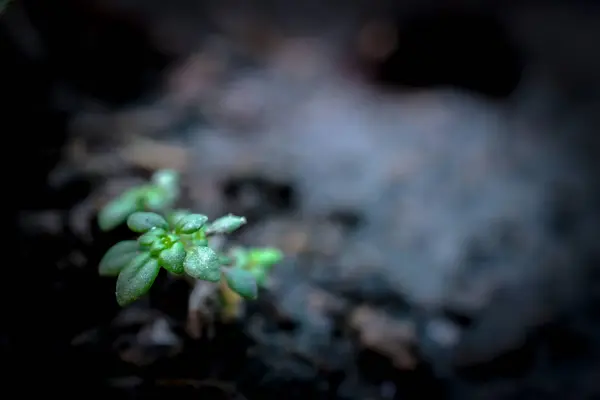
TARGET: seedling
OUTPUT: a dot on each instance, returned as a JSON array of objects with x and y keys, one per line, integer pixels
[
  {"x": 177, "y": 241},
  {"x": 257, "y": 261}
]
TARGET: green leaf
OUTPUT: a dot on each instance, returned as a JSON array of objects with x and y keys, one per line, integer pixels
[
  {"x": 156, "y": 199},
  {"x": 203, "y": 263},
  {"x": 242, "y": 282},
  {"x": 199, "y": 238},
  {"x": 191, "y": 223},
  {"x": 240, "y": 256},
  {"x": 117, "y": 257},
  {"x": 266, "y": 257},
  {"x": 225, "y": 260},
  {"x": 175, "y": 216},
  {"x": 144, "y": 221},
  {"x": 117, "y": 211},
  {"x": 172, "y": 259},
  {"x": 166, "y": 178},
  {"x": 260, "y": 274},
  {"x": 158, "y": 246},
  {"x": 136, "y": 279},
  {"x": 226, "y": 224},
  {"x": 151, "y": 236},
  {"x": 200, "y": 242}
]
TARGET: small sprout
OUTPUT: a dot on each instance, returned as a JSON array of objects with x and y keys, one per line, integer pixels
[
  {"x": 203, "y": 263},
  {"x": 151, "y": 236},
  {"x": 135, "y": 279},
  {"x": 226, "y": 224},
  {"x": 158, "y": 246},
  {"x": 258, "y": 261},
  {"x": 172, "y": 258},
  {"x": 117, "y": 257},
  {"x": 242, "y": 282},
  {"x": 142, "y": 222},
  {"x": 117, "y": 211},
  {"x": 191, "y": 223}
]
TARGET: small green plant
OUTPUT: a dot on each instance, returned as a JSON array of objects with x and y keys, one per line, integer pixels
[
  {"x": 177, "y": 241},
  {"x": 258, "y": 262}
]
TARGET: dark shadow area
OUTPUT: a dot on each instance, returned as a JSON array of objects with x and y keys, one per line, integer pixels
[
  {"x": 92, "y": 52},
  {"x": 47, "y": 297},
  {"x": 453, "y": 48},
  {"x": 256, "y": 197},
  {"x": 417, "y": 384},
  {"x": 39, "y": 307}
]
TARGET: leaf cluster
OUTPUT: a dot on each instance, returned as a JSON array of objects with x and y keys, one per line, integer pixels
[
  {"x": 177, "y": 242},
  {"x": 159, "y": 194}
]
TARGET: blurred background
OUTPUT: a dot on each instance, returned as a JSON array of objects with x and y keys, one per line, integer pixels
[{"x": 428, "y": 168}]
